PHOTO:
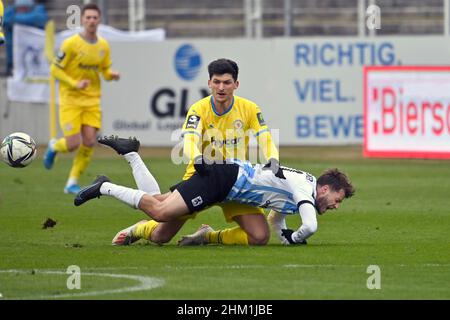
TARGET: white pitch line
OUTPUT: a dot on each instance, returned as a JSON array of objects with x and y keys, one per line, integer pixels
[
  {"x": 426, "y": 265},
  {"x": 145, "y": 283}
]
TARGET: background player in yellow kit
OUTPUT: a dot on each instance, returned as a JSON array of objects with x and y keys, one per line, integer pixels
[
  {"x": 2, "y": 36},
  {"x": 77, "y": 66},
  {"x": 216, "y": 128}
]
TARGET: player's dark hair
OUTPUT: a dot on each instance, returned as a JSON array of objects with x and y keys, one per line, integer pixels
[
  {"x": 91, "y": 6},
  {"x": 222, "y": 66},
  {"x": 336, "y": 180}
]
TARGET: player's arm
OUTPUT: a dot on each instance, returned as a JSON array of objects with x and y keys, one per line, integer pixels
[
  {"x": 61, "y": 75},
  {"x": 192, "y": 140},
  {"x": 277, "y": 223},
  {"x": 265, "y": 143},
  {"x": 307, "y": 228},
  {"x": 263, "y": 136},
  {"x": 107, "y": 72},
  {"x": 57, "y": 69}
]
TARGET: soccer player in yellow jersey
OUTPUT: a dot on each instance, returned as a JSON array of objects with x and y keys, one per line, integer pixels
[
  {"x": 2, "y": 36},
  {"x": 215, "y": 128},
  {"x": 77, "y": 66}
]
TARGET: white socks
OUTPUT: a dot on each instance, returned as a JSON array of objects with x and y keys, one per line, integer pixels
[
  {"x": 124, "y": 194},
  {"x": 145, "y": 182},
  {"x": 144, "y": 179}
]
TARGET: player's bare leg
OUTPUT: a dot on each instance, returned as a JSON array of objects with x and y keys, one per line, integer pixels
[
  {"x": 169, "y": 209},
  {"x": 165, "y": 231},
  {"x": 253, "y": 230},
  {"x": 73, "y": 142},
  {"x": 88, "y": 135},
  {"x": 156, "y": 232},
  {"x": 84, "y": 143},
  {"x": 256, "y": 228}
]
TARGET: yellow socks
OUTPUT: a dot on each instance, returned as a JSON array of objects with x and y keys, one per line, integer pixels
[
  {"x": 61, "y": 145},
  {"x": 81, "y": 161},
  {"x": 228, "y": 236},
  {"x": 144, "y": 230}
]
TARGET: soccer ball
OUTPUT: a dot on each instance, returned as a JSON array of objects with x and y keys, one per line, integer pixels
[{"x": 18, "y": 150}]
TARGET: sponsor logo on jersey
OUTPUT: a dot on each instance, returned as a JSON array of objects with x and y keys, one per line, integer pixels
[
  {"x": 88, "y": 66},
  {"x": 260, "y": 119},
  {"x": 197, "y": 201},
  {"x": 227, "y": 142},
  {"x": 192, "y": 122}
]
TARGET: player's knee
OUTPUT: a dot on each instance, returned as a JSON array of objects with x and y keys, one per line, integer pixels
[
  {"x": 259, "y": 238},
  {"x": 89, "y": 142},
  {"x": 73, "y": 144},
  {"x": 158, "y": 213}
]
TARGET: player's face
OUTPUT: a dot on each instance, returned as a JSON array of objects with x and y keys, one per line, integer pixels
[
  {"x": 328, "y": 199},
  {"x": 222, "y": 87},
  {"x": 90, "y": 20}
]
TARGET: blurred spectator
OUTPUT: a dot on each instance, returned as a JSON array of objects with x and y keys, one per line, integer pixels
[{"x": 25, "y": 12}]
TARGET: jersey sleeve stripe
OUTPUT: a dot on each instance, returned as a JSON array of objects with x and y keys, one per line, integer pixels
[
  {"x": 190, "y": 132},
  {"x": 262, "y": 131},
  {"x": 303, "y": 202}
]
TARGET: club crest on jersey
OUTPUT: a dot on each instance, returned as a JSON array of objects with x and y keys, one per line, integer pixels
[
  {"x": 101, "y": 53},
  {"x": 238, "y": 124},
  {"x": 192, "y": 122},
  {"x": 197, "y": 201},
  {"x": 260, "y": 119}
]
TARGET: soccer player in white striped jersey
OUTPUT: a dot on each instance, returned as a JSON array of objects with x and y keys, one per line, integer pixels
[{"x": 239, "y": 181}]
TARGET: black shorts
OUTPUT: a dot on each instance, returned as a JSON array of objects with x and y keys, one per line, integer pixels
[{"x": 200, "y": 192}]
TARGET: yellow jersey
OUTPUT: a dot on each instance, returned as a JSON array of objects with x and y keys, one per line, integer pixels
[
  {"x": 79, "y": 59},
  {"x": 2, "y": 36},
  {"x": 223, "y": 136}
]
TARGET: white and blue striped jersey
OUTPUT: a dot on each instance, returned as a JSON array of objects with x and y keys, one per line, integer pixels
[{"x": 260, "y": 188}]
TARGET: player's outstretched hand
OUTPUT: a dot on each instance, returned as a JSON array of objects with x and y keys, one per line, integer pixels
[
  {"x": 115, "y": 75},
  {"x": 287, "y": 235},
  {"x": 83, "y": 84},
  {"x": 200, "y": 166},
  {"x": 274, "y": 166}
]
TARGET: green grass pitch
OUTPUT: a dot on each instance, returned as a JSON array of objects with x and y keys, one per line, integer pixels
[{"x": 398, "y": 220}]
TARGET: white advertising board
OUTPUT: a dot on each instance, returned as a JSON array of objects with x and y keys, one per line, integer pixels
[
  {"x": 407, "y": 112},
  {"x": 311, "y": 89}
]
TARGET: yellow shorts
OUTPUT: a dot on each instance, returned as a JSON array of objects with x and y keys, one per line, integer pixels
[
  {"x": 230, "y": 210},
  {"x": 71, "y": 118}
]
